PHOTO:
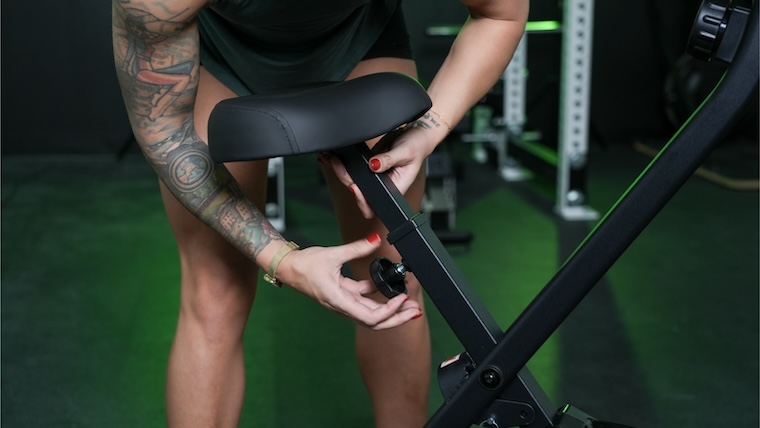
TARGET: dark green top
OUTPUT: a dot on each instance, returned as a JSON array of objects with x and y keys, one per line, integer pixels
[{"x": 258, "y": 45}]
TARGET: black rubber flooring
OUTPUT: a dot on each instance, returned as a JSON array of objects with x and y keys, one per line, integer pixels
[{"x": 669, "y": 338}]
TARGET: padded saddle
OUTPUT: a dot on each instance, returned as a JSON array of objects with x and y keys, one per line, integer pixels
[{"x": 314, "y": 118}]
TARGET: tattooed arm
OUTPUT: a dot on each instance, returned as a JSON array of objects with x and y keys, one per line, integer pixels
[
  {"x": 156, "y": 52},
  {"x": 157, "y": 60}
]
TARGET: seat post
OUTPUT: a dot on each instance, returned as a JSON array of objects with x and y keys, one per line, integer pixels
[{"x": 425, "y": 255}]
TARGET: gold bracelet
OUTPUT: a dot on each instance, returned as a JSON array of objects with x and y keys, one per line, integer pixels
[
  {"x": 441, "y": 119},
  {"x": 282, "y": 252}
]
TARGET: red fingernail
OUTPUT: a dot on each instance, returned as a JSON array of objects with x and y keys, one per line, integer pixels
[
  {"x": 374, "y": 164},
  {"x": 417, "y": 316},
  {"x": 351, "y": 188},
  {"x": 374, "y": 238}
]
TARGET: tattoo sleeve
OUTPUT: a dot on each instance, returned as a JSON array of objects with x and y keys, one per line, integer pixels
[{"x": 156, "y": 55}]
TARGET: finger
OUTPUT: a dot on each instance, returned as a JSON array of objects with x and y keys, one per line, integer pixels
[
  {"x": 410, "y": 304},
  {"x": 344, "y": 177},
  {"x": 361, "y": 203},
  {"x": 388, "y": 140},
  {"x": 402, "y": 302},
  {"x": 361, "y": 288},
  {"x": 395, "y": 157},
  {"x": 358, "y": 249},
  {"x": 357, "y": 289},
  {"x": 380, "y": 163},
  {"x": 339, "y": 169},
  {"x": 361, "y": 310},
  {"x": 367, "y": 288},
  {"x": 398, "y": 319},
  {"x": 383, "y": 311},
  {"x": 366, "y": 309},
  {"x": 383, "y": 315}
]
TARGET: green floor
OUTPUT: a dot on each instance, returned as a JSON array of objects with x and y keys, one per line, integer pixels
[{"x": 668, "y": 339}]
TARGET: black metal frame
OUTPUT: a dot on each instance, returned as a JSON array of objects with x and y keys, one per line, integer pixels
[{"x": 493, "y": 385}]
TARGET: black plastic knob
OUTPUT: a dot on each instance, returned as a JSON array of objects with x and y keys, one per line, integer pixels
[
  {"x": 388, "y": 277},
  {"x": 708, "y": 29}
]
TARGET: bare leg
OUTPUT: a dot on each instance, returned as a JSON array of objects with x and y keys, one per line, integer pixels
[
  {"x": 395, "y": 364},
  {"x": 206, "y": 374}
]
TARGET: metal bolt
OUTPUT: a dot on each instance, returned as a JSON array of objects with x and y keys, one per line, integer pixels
[
  {"x": 575, "y": 197},
  {"x": 490, "y": 423},
  {"x": 577, "y": 161},
  {"x": 490, "y": 378},
  {"x": 401, "y": 269}
]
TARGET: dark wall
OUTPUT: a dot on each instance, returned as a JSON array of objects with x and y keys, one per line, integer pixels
[
  {"x": 59, "y": 91},
  {"x": 635, "y": 43},
  {"x": 60, "y": 95}
]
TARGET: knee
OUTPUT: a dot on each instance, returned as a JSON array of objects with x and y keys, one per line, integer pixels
[{"x": 216, "y": 304}]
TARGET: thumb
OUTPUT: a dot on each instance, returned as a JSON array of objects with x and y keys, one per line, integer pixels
[
  {"x": 397, "y": 156},
  {"x": 361, "y": 248},
  {"x": 380, "y": 163}
]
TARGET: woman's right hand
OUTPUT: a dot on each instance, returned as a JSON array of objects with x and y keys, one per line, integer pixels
[{"x": 316, "y": 272}]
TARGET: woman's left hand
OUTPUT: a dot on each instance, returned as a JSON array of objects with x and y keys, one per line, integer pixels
[{"x": 401, "y": 153}]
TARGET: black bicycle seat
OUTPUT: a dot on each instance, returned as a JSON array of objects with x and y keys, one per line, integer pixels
[{"x": 313, "y": 118}]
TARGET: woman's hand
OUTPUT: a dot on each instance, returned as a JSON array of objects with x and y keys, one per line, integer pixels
[
  {"x": 401, "y": 153},
  {"x": 316, "y": 272}
]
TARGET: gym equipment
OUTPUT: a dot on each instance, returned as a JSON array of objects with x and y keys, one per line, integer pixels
[
  {"x": 515, "y": 148},
  {"x": 440, "y": 200},
  {"x": 488, "y": 384},
  {"x": 275, "y": 204}
]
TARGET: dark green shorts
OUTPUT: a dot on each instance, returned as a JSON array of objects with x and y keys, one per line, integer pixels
[{"x": 394, "y": 41}]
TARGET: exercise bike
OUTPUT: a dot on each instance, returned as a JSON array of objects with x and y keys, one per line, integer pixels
[{"x": 488, "y": 384}]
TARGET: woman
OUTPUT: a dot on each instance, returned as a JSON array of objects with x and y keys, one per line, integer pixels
[{"x": 239, "y": 47}]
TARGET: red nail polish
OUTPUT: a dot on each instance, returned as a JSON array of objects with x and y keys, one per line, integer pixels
[
  {"x": 374, "y": 238},
  {"x": 417, "y": 316},
  {"x": 374, "y": 164}
]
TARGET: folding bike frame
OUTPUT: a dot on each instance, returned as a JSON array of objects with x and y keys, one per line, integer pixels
[{"x": 488, "y": 384}]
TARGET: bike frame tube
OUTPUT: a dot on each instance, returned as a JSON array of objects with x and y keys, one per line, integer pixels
[{"x": 661, "y": 179}]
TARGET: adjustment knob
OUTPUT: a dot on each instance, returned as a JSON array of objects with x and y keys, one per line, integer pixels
[
  {"x": 388, "y": 277},
  {"x": 708, "y": 29}
]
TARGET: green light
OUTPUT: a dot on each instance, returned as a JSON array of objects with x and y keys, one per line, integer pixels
[
  {"x": 539, "y": 150},
  {"x": 530, "y": 27},
  {"x": 443, "y": 30},
  {"x": 537, "y": 26}
]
